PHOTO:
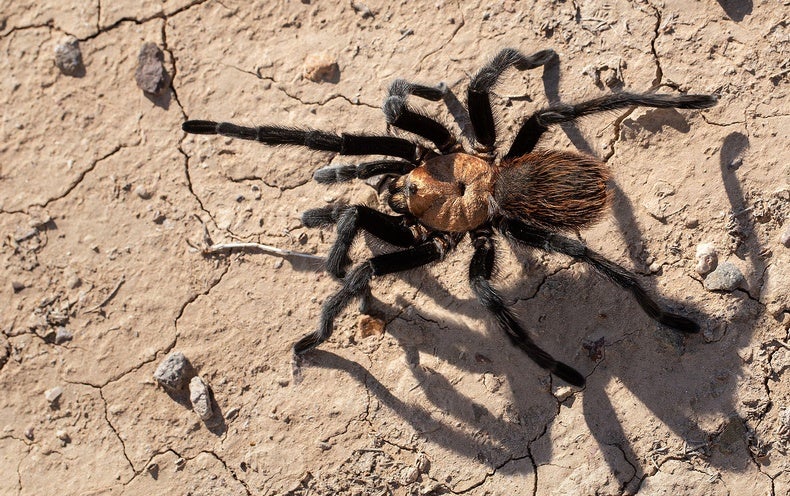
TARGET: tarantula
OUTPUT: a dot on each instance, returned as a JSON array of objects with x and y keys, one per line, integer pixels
[{"x": 442, "y": 192}]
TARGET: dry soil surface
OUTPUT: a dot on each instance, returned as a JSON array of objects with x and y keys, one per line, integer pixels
[{"x": 104, "y": 201}]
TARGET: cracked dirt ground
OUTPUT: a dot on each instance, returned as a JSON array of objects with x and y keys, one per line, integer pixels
[{"x": 101, "y": 191}]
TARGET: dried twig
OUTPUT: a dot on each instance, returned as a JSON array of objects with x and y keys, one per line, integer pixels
[
  {"x": 109, "y": 296},
  {"x": 271, "y": 250}
]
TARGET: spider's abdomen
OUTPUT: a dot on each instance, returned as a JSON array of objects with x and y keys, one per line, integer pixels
[
  {"x": 449, "y": 192},
  {"x": 554, "y": 190}
]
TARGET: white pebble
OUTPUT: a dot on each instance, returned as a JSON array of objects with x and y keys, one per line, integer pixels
[
  {"x": 200, "y": 398},
  {"x": 707, "y": 258},
  {"x": 63, "y": 436},
  {"x": 785, "y": 238},
  {"x": 53, "y": 395}
]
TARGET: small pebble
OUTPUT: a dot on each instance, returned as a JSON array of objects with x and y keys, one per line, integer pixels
[
  {"x": 142, "y": 192},
  {"x": 422, "y": 463},
  {"x": 785, "y": 238},
  {"x": 200, "y": 397},
  {"x": 53, "y": 395},
  {"x": 173, "y": 371},
  {"x": 692, "y": 223},
  {"x": 29, "y": 433},
  {"x": 562, "y": 393},
  {"x": 320, "y": 67},
  {"x": 153, "y": 469},
  {"x": 73, "y": 281},
  {"x": 726, "y": 277},
  {"x": 68, "y": 57},
  {"x": 62, "y": 335},
  {"x": 17, "y": 286},
  {"x": 707, "y": 258},
  {"x": 409, "y": 475},
  {"x": 150, "y": 75},
  {"x": 232, "y": 413},
  {"x": 63, "y": 436}
]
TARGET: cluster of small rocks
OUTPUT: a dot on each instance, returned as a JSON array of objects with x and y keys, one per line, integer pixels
[
  {"x": 718, "y": 277},
  {"x": 175, "y": 374},
  {"x": 150, "y": 75}
]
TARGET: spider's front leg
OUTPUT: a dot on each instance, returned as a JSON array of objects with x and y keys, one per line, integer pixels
[
  {"x": 398, "y": 113},
  {"x": 357, "y": 282},
  {"x": 480, "y": 269},
  {"x": 483, "y": 82},
  {"x": 350, "y": 219}
]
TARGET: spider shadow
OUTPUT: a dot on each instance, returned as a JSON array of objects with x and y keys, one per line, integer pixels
[
  {"x": 736, "y": 9},
  {"x": 599, "y": 411},
  {"x": 642, "y": 369}
]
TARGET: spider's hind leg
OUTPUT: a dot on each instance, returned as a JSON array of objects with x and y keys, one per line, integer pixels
[
  {"x": 480, "y": 270},
  {"x": 532, "y": 129},
  {"x": 539, "y": 238}
]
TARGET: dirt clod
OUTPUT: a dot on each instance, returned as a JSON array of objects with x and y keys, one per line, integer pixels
[
  {"x": 368, "y": 325},
  {"x": 321, "y": 67},
  {"x": 707, "y": 258}
]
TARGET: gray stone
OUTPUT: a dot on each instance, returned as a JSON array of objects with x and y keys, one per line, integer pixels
[
  {"x": 68, "y": 57},
  {"x": 62, "y": 335},
  {"x": 150, "y": 75},
  {"x": 173, "y": 372},
  {"x": 726, "y": 277}
]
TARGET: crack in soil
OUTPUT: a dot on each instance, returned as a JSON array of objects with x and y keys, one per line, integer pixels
[
  {"x": 115, "y": 431},
  {"x": 159, "y": 15},
  {"x": 70, "y": 187}
]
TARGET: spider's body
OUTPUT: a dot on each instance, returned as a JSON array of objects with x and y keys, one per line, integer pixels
[
  {"x": 555, "y": 190},
  {"x": 442, "y": 193}
]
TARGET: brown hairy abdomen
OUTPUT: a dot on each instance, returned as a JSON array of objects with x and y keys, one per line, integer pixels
[{"x": 554, "y": 190}]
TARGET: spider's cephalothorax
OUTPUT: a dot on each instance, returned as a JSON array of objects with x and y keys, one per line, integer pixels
[{"x": 442, "y": 192}]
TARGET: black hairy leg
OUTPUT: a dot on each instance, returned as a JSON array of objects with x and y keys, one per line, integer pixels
[
  {"x": 548, "y": 241},
  {"x": 398, "y": 113},
  {"x": 350, "y": 219},
  {"x": 482, "y": 83},
  {"x": 345, "y": 172},
  {"x": 532, "y": 129},
  {"x": 480, "y": 270},
  {"x": 357, "y": 283},
  {"x": 345, "y": 144}
]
